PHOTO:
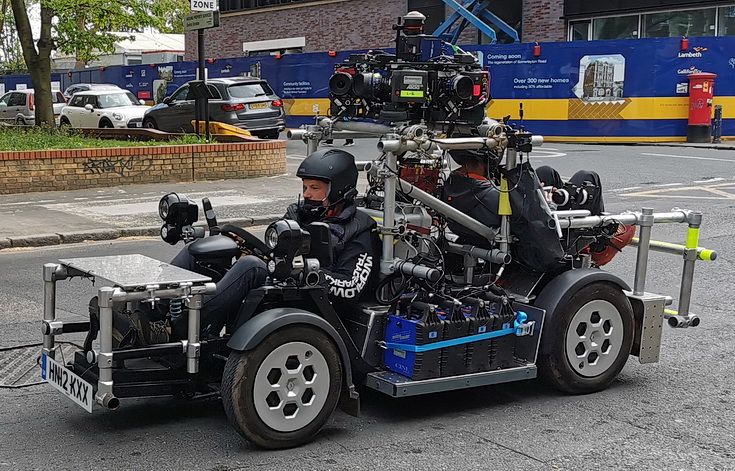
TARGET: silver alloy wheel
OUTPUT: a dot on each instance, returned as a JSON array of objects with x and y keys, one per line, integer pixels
[
  {"x": 291, "y": 386},
  {"x": 594, "y": 338}
]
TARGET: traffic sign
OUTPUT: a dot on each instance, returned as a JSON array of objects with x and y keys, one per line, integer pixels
[
  {"x": 201, "y": 20},
  {"x": 204, "y": 5}
]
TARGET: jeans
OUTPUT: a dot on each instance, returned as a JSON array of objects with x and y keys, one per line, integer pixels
[{"x": 247, "y": 273}]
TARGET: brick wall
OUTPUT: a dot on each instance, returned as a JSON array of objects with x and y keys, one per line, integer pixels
[
  {"x": 542, "y": 21},
  {"x": 22, "y": 172},
  {"x": 327, "y": 25}
]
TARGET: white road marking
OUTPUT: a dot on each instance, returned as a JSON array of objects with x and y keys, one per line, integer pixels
[
  {"x": 548, "y": 153},
  {"x": 718, "y": 179},
  {"x": 669, "y": 184},
  {"x": 627, "y": 189},
  {"x": 690, "y": 157}
]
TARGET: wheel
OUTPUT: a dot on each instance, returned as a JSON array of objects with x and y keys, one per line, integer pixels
[
  {"x": 64, "y": 123},
  {"x": 587, "y": 340},
  {"x": 280, "y": 394},
  {"x": 105, "y": 124},
  {"x": 20, "y": 121},
  {"x": 150, "y": 123}
]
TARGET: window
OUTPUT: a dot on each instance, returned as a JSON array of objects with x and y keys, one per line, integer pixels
[
  {"x": 5, "y": 100},
  {"x": 77, "y": 101},
  {"x": 620, "y": 27},
  {"x": 17, "y": 99},
  {"x": 726, "y": 21},
  {"x": 681, "y": 23},
  {"x": 579, "y": 31},
  {"x": 250, "y": 90},
  {"x": 181, "y": 95}
]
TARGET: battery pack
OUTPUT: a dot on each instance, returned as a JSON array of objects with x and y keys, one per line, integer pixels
[{"x": 419, "y": 325}]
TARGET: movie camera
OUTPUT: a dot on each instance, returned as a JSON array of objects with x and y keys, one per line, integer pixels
[{"x": 426, "y": 80}]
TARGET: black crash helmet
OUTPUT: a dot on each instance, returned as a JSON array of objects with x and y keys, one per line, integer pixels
[{"x": 334, "y": 166}]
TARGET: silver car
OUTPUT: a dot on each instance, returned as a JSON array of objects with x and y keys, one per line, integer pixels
[
  {"x": 18, "y": 106},
  {"x": 246, "y": 102}
]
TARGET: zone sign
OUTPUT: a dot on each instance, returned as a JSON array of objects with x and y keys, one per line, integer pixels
[{"x": 204, "y": 5}]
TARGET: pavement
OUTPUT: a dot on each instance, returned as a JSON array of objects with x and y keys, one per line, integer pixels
[{"x": 61, "y": 217}]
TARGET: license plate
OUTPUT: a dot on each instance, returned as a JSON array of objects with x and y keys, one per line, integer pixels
[
  {"x": 71, "y": 385},
  {"x": 135, "y": 125},
  {"x": 257, "y": 106}
]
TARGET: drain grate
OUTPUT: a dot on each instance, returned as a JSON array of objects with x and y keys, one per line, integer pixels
[{"x": 19, "y": 365}]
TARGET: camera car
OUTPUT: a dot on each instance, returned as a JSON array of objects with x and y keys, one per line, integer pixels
[{"x": 459, "y": 303}]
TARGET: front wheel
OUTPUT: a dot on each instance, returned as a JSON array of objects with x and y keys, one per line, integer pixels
[
  {"x": 281, "y": 393},
  {"x": 149, "y": 123},
  {"x": 587, "y": 340}
]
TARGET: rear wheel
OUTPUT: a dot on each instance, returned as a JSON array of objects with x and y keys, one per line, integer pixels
[
  {"x": 150, "y": 123},
  {"x": 587, "y": 340},
  {"x": 20, "y": 121},
  {"x": 281, "y": 393}
]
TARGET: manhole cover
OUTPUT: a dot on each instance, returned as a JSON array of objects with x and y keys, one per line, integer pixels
[{"x": 19, "y": 365}]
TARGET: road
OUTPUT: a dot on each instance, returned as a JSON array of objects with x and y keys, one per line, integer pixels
[{"x": 676, "y": 414}]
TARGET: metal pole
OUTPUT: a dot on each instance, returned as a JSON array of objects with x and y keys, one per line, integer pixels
[
  {"x": 690, "y": 256},
  {"x": 201, "y": 103},
  {"x": 389, "y": 212},
  {"x": 49, "y": 305},
  {"x": 645, "y": 222},
  {"x": 193, "y": 345},
  {"x": 717, "y": 127},
  {"x": 104, "y": 359}
]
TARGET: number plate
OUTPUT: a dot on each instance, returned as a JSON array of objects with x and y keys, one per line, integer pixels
[
  {"x": 135, "y": 125},
  {"x": 73, "y": 387},
  {"x": 256, "y": 106}
]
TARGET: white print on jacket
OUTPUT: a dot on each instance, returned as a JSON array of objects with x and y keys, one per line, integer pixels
[{"x": 351, "y": 288}]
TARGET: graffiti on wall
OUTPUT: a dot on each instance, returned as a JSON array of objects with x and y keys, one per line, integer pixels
[{"x": 121, "y": 166}]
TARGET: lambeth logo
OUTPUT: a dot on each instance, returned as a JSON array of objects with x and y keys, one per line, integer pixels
[
  {"x": 690, "y": 70},
  {"x": 694, "y": 53}
]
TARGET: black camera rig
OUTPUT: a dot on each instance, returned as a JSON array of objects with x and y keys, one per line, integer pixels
[{"x": 426, "y": 80}]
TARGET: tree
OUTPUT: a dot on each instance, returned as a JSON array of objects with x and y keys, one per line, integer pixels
[
  {"x": 11, "y": 55},
  {"x": 80, "y": 27}
]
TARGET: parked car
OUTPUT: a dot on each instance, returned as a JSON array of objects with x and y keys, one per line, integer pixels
[
  {"x": 85, "y": 87},
  {"x": 18, "y": 106},
  {"x": 103, "y": 109},
  {"x": 246, "y": 102}
]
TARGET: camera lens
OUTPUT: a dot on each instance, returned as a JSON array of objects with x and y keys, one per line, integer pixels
[
  {"x": 340, "y": 83},
  {"x": 560, "y": 197},
  {"x": 582, "y": 196},
  {"x": 460, "y": 86}
]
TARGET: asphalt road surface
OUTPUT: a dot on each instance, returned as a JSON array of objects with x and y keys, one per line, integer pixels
[{"x": 676, "y": 414}]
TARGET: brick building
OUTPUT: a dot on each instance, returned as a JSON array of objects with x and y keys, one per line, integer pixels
[{"x": 261, "y": 27}]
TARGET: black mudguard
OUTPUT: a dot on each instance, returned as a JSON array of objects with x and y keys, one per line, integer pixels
[
  {"x": 252, "y": 332},
  {"x": 558, "y": 291}
]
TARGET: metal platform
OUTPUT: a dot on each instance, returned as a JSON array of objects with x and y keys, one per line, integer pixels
[{"x": 397, "y": 385}]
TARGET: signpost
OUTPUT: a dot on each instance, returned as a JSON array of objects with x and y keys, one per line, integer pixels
[{"x": 205, "y": 15}]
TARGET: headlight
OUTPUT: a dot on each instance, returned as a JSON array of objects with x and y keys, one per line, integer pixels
[
  {"x": 163, "y": 208},
  {"x": 271, "y": 237},
  {"x": 118, "y": 116}
]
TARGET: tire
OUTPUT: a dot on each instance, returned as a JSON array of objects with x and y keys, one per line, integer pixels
[
  {"x": 150, "y": 123},
  {"x": 19, "y": 121},
  {"x": 297, "y": 361},
  {"x": 106, "y": 124},
  {"x": 64, "y": 123},
  {"x": 273, "y": 134},
  {"x": 587, "y": 340}
]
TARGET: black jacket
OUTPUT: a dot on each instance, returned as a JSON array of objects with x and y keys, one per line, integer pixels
[
  {"x": 477, "y": 199},
  {"x": 356, "y": 253}
]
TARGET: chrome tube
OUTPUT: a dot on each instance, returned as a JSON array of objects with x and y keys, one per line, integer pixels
[
  {"x": 629, "y": 219},
  {"x": 470, "y": 143},
  {"x": 104, "y": 359},
  {"x": 389, "y": 212},
  {"x": 448, "y": 211},
  {"x": 193, "y": 346},
  {"x": 645, "y": 222},
  {"x": 49, "y": 305}
]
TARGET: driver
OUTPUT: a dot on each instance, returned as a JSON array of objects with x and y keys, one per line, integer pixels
[{"x": 329, "y": 179}]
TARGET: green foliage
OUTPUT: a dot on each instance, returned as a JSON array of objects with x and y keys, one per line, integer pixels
[
  {"x": 15, "y": 139},
  {"x": 83, "y": 27}
]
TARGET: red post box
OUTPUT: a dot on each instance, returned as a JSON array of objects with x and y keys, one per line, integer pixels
[{"x": 701, "y": 90}]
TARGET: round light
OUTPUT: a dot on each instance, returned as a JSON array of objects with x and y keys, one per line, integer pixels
[
  {"x": 271, "y": 237},
  {"x": 163, "y": 208},
  {"x": 118, "y": 116}
]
